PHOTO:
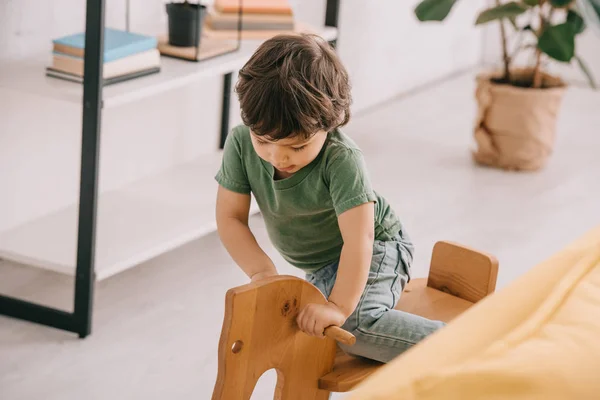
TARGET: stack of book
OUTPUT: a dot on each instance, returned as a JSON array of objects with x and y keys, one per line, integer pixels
[
  {"x": 260, "y": 18},
  {"x": 126, "y": 56}
]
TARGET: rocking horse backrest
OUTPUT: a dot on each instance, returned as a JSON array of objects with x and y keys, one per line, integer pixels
[{"x": 462, "y": 272}]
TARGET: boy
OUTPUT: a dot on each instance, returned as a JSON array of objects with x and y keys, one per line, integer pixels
[{"x": 313, "y": 190}]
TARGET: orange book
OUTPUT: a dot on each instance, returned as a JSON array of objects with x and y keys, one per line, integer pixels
[{"x": 254, "y": 6}]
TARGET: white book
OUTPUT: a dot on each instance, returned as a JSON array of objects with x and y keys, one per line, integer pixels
[{"x": 136, "y": 62}]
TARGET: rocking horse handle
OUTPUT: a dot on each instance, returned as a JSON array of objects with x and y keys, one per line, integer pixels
[{"x": 338, "y": 334}]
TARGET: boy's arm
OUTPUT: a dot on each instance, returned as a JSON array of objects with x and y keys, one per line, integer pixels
[
  {"x": 358, "y": 232},
  {"x": 357, "y": 228},
  {"x": 232, "y": 224}
]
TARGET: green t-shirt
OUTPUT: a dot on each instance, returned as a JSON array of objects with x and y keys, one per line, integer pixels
[{"x": 300, "y": 212}]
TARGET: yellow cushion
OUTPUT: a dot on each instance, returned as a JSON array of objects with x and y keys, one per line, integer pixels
[{"x": 537, "y": 338}]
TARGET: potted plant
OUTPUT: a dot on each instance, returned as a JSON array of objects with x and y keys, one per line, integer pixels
[
  {"x": 518, "y": 106},
  {"x": 185, "y": 23}
]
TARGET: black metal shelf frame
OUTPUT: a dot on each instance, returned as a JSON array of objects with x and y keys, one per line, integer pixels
[{"x": 80, "y": 320}]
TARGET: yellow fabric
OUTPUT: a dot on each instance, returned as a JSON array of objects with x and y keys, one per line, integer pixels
[{"x": 538, "y": 338}]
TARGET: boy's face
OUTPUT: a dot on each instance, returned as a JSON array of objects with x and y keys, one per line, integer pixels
[{"x": 289, "y": 155}]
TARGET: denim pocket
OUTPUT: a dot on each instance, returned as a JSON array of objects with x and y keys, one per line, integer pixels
[
  {"x": 324, "y": 278},
  {"x": 382, "y": 276},
  {"x": 396, "y": 268}
]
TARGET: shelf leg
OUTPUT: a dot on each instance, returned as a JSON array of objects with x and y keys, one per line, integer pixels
[
  {"x": 225, "y": 110},
  {"x": 36, "y": 313},
  {"x": 90, "y": 149},
  {"x": 332, "y": 13}
]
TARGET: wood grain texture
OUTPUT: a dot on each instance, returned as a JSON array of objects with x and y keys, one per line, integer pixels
[
  {"x": 420, "y": 299},
  {"x": 208, "y": 48},
  {"x": 462, "y": 271},
  {"x": 260, "y": 333},
  {"x": 348, "y": 371},
  {"x": 339, "y": 335}
]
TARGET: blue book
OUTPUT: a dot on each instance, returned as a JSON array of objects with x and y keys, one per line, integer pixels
[{"x": 117, "y": 44}]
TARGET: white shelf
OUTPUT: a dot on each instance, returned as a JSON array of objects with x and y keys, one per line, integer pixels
[
  {"x": 142, "y": 220},
  {"x": 29, "y": 76},
  {"x": 134, "y": 224}
]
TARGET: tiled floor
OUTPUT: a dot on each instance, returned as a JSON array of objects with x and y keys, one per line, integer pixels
[{"x": 156, "y": 326}]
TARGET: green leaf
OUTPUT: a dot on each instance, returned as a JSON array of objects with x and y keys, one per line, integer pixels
[
  {"x": 558, "y": 42},
  {"x": 434, "y": 10},
  {"x": 560, "y": 3},
  {"x": 531, "y": 3},
  {"x": 586, "y": 72},
  {"x": 507, "y": 10},
  {"x": 576, "y": 21}
]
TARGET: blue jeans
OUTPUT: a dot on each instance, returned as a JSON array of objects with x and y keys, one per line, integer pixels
[{"x": 382, "y": 333}]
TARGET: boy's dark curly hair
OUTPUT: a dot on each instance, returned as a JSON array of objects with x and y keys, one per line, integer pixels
[{"x": 294, "y": 86}]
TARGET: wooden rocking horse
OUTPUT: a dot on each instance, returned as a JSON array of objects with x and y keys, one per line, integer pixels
[{"x": 260, "y": 333}]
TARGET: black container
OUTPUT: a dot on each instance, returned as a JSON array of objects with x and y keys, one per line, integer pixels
[{"x": 185, "y": 23}]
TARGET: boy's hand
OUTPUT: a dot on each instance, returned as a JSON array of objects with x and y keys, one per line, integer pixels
[
  {"x": 263, "y": 275},
  {"x": 314, "y": 318}
]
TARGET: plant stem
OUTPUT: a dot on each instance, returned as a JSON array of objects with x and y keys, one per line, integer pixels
[
  {"x": 537, "y": 73},
  {"x": 505, "y": 56}
]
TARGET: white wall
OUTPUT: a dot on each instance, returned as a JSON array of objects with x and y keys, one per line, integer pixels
[{"x": 386, "y": 51}]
